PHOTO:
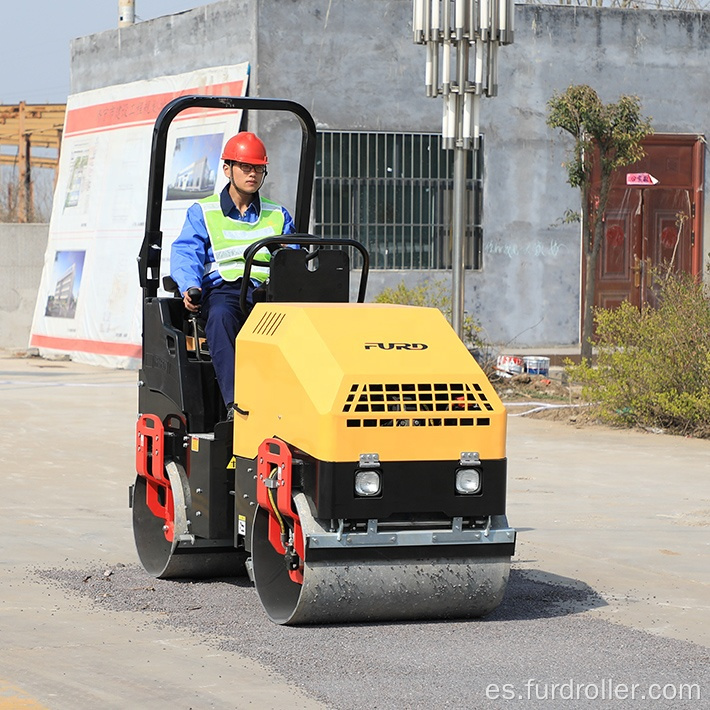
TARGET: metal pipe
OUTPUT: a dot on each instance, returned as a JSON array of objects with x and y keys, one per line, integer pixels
[
  {"x": 430, "y": 81},
  {"x": 460, "y": 19},
  {"x": 446, "y": 68},
  {"x": 126, "y": 13},
  {"x": 418, "y": 9},
  {"x": 459, "y": 226},
  {"x": 435, "y": 21},
  {"x": 485, "y": 19},
  {"x": 478, "y": 70}
]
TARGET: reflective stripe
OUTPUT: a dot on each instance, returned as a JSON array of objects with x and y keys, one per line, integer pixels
[
  {"x": 213, "y": 266},
  {"x": 256, "y": 233}
]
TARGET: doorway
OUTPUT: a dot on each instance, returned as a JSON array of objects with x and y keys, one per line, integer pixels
[{"x": 653, "y": 226}]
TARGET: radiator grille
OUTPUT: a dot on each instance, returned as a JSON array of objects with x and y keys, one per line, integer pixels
[{"x": 430, "y": 404}]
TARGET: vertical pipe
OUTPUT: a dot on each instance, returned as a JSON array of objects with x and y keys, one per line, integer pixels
[
  {"x": 460, "y": 19},
  {"x": 435, "y": 21},
  {"x": 446, "y": 68},
  {"x": 485, "y": 19},
  {"x": 478, "y": 67},
  {"x": 126, "y": 13},
  {"x": 476, "y": 119},
  {"x": 492, "y": 83},
  {"x": 430, "y": 80},
  {"x": 418, "y": 8},
  {"x": 503, "y": 21},
  {"x": 474, "y": 20},
  {"x": 459, "y": 225}
]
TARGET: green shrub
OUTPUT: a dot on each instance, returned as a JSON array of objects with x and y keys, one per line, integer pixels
[
  {"x": 653, "y": 364},
  {"x": 433, "y": 294}
]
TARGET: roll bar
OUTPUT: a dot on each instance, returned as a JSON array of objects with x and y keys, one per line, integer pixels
[{"x": 150, "y": 252}]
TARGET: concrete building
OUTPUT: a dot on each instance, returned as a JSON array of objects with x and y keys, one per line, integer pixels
[{"x": 355, "y": 67}]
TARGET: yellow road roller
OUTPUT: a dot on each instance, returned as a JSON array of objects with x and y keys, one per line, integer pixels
[{"x": 363, "y": 476}]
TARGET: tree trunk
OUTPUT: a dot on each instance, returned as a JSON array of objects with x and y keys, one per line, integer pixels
[
  {"x": 592, "y": 245},
  {"x": 590, "y": 273}
]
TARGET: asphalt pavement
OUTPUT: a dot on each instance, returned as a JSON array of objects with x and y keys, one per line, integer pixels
[{"x": 611, "y": 580}]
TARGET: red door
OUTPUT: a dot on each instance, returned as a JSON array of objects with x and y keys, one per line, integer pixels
[{"x": 652, "y": 227}]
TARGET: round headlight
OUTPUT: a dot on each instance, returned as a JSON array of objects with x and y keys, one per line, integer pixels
[
  {"x": 468, "y": 480},
  {"x": 367, "y": 483}
]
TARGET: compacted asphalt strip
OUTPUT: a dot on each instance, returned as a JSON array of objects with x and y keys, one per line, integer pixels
[{"x": 608, "y": 599}]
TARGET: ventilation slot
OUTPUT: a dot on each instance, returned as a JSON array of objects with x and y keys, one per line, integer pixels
[
  {"x": 437, "y": 405},
  {"x": 269, "y": 323}
]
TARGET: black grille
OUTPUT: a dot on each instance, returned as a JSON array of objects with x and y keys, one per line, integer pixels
[{"x": 422, "y": 404}]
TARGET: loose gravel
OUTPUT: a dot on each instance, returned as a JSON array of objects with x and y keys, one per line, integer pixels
[{"x": 537, "y": 650}]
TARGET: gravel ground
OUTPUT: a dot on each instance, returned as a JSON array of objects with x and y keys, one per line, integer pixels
[{"x": 538, "y": 650}]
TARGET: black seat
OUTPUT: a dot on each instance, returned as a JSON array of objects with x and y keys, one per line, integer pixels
[{"x": 297, "y": 275}]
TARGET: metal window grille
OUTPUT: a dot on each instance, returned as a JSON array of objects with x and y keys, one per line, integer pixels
[{"x": 393, "y": 192}]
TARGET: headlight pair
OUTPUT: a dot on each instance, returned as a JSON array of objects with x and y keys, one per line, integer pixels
[{"x": 368, "y": 482}]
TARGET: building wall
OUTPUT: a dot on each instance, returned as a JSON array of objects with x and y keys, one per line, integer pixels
[
  {"x": 355, "y": 67},
  {"x": 22, "y": 247}
]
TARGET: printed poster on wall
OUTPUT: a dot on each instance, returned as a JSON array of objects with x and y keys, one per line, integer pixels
[{"x": 89, "y": 300}]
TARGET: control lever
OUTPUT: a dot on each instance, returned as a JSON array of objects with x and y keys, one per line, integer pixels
[{"x": 195, "y": 296}]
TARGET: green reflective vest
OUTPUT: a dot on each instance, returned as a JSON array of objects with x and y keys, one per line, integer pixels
[{"x": 231, "y": 237}]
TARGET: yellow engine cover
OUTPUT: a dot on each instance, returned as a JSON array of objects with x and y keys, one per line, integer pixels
[{"x": 340, "y": 380}]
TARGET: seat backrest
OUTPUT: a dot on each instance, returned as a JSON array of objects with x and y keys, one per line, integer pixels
[{"x": 299, "y": 276}]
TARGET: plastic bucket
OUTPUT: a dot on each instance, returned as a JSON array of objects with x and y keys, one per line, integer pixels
[
  {"x": 535, "y": 365},
  {"x": 510, "y": 365}
]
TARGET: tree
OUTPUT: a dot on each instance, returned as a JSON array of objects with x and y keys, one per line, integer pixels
[{"x": 610, "y": 134}]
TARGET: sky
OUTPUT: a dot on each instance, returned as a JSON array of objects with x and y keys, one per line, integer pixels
[{"x": 35, "y": 38}]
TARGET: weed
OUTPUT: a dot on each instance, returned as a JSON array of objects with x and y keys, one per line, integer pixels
[{"x": 653, "y": 364}]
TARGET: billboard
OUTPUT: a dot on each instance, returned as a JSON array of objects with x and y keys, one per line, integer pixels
[{"x": 89, "y": 300}]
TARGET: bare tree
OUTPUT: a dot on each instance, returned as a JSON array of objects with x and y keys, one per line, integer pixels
[{"x": 43, "y": 184}]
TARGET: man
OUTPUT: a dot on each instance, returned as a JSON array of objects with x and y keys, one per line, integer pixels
[{"x": 209, "y": 252}]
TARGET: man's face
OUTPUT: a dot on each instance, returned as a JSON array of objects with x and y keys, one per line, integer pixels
[{"x": 245, "y": 176}]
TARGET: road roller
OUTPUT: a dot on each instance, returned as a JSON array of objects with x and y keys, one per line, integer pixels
[{"x": 363, "y": 474}]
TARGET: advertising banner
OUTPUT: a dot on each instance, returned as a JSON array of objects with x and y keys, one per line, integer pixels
[{"x": 89, "y": 300}]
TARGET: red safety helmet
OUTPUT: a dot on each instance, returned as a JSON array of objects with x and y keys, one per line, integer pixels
[{"x": 245, "y": 147}]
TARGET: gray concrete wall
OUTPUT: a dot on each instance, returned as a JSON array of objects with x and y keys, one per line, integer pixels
[
  {"x": 22, "y": 247},
  {"x": 355, "y": 67}
]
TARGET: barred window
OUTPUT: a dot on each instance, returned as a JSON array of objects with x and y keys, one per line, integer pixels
[{"x": 393, "y": 192}]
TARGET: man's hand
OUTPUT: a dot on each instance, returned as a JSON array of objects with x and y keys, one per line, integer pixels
[{"x": 192, "y": 307}]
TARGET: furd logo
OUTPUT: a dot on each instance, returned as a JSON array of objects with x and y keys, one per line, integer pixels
[{"x": 396, "y": 346}]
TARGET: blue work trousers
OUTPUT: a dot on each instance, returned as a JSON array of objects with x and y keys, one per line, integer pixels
[{"x": 220, "y": 308}]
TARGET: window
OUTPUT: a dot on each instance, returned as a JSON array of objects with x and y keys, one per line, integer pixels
[{"x": 393, "y": 193}]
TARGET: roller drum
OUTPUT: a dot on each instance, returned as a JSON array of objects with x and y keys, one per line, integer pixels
[
  {"x": 166, "y": 559},
  {"x": 336, "y": 591}
]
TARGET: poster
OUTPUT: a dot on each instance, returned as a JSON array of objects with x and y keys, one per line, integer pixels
[{"x": 89, "y": 301}]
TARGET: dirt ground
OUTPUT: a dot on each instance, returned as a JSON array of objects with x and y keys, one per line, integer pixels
[
  {"x": 551, "y": 397},
  {"x": 543, "y": 397}
]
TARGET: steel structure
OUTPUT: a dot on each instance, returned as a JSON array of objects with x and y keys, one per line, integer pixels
[
  {"x": 462, "y": 39},
  {"x": 26, "y": 126}
]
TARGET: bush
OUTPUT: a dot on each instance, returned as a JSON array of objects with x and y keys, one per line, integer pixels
[
  {"x": 433, "y": 294},
  {"x": 653, "y": 364}
]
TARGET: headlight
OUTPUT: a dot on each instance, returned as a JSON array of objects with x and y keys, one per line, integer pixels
[
  {"x": 367, "y": 483},
  {"x": 468, "y": 481}
]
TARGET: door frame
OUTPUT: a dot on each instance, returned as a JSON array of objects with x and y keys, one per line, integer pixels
[{"x": 697, "y": 143}]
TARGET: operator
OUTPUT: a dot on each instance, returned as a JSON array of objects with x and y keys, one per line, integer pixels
[{"x": 209, "y": 252}]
